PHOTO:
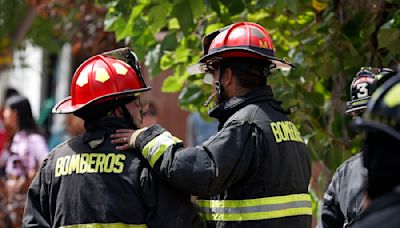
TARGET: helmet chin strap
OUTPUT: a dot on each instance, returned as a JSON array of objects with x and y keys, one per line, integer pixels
[
  {"x": 219, "y": 92},
  {"x": 128, "y": 116}
]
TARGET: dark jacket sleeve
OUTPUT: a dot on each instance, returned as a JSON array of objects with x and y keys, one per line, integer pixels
[
  {"x": 331, "y": 214},
  {"x": 203, "y": 170},
  {"x": 36, "y": 212},
  {"x": 167, "y": 207}
]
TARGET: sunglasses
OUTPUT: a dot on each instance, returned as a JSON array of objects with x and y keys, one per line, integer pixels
[
  {"x": 134, "y": 97},
  {"x": 211, "y": 66}
]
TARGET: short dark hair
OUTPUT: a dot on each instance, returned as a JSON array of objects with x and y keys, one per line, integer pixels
[
  {"x": 250, "y": 73},
  {"x": 24, "y": 113}
]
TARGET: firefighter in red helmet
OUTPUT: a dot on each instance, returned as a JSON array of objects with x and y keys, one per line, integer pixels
[
  {"x": 85, "y": 182},
  {"x": 255, "y": 171}
]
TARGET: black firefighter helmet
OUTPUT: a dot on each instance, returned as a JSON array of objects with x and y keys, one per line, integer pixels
[
  {"x": 383, "y": 111},
  {"x": 363, "y": 85},
  {"x": 381, "y": 122}
]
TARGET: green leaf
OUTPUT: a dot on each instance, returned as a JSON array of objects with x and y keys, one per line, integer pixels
[
  {"x": 357, "y": 27},
  {"x": 152, "y": 60},
  {"x": 315, "y": 98},
  {"x": 169, "y": 42},
  {"x": 128, "y": 30},
  {"x": 292, "y": 5},
  {"x": 280, "y": 6},
  {"x": 181, "y": 54},
  {"x": 265, "y": 3},
  {"x": 172, "y": 84},
  {"x": 191, "y": 94},
  {"x": 197, "y": 7},
  {"x": 173, "y": 24},
  {"x": 114, "y": 23},
  {"x": 257, "y": 16},
  {"x": 215, "y": 6},
  {"x": 184, "y": 15},
  {"x": 388, "y": 37},
  {"x": 234, "y": 7},
  {"x": 155, "y": 13},
  {"x": 213, "y": 27},
  {"x": 167, "y": 61}
]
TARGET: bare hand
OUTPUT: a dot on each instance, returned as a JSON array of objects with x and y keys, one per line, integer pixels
[{"x": 121, "y": 138}]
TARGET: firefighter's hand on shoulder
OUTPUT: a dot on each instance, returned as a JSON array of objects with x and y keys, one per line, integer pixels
[{"x": 125, "y": 139}]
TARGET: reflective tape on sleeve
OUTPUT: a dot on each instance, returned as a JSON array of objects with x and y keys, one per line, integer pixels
[
  {"x": 256, "y": 209},
  {"x": 157, "y": 147},
  {"x": 106, "y": 225}
]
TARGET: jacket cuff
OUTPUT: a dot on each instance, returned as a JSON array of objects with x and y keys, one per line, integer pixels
[{"x": 146, "y": 136}]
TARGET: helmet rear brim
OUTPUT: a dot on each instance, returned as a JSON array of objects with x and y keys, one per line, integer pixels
[{"x": 65, "y": 106}]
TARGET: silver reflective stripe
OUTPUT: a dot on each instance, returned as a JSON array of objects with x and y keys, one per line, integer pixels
[
  {"x": 157, "y": 146},
  {"x": 262, "y": 208},
  {"x": 256, "y": 209},
  {"x": 105, "y": 225}
]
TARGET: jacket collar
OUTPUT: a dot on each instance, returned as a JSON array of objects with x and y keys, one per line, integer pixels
[
  {"x": 224, "y": 110},
  {"x": 100, "y": 128}
]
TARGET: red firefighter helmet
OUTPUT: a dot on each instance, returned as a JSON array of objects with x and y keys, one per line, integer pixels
[
  {"x": 243, "y": 39},
  {"x": 99, "y": 79}
]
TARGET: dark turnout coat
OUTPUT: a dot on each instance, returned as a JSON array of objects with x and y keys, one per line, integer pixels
[
  {"x": 342, "y": 205},
  {"x": 253, "y": 173},
  {"x": 85, "y": 182}
]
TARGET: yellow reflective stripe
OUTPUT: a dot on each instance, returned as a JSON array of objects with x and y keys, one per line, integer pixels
[
  {"x": 148, "y": 146},
  {"x": 106, "y": 225},
  {"x": 255, "y": 209},
  {"x": 157, "y": 147},
  {"x": 392, "y": 97},
  {"x": 255, "y": 202}
]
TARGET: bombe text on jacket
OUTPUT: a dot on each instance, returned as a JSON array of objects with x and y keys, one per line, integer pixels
[
  {"x": 285, "y": 131},
  {"x": 89, "y": 163}
]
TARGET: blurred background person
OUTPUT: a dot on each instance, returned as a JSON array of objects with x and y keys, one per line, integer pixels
[
  {"x": 73, "y": 126},
  {"x": 150, "y": 114},
  {"x": 4, "y": 137},
  {"x": 26, "y": 151},
  {"x": 198, "y": 129}
]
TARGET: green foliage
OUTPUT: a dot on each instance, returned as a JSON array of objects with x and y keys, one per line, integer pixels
[
  {"x": 10, "y": 17},
  {"x": 328, "y": 43},
  {"x": 47, "y": 24}
]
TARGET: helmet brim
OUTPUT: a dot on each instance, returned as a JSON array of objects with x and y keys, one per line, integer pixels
[
  {"x": 359, "y": 108},
  {"x": 65, "y": 106},
  {"x": 369, "y": 125},
  {"x": 200, "y": 67}
]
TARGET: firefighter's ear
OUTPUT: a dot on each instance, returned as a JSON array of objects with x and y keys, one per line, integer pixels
[
  {"x": 227, "y": 78},
  {"x": 118, "y": 112}
]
